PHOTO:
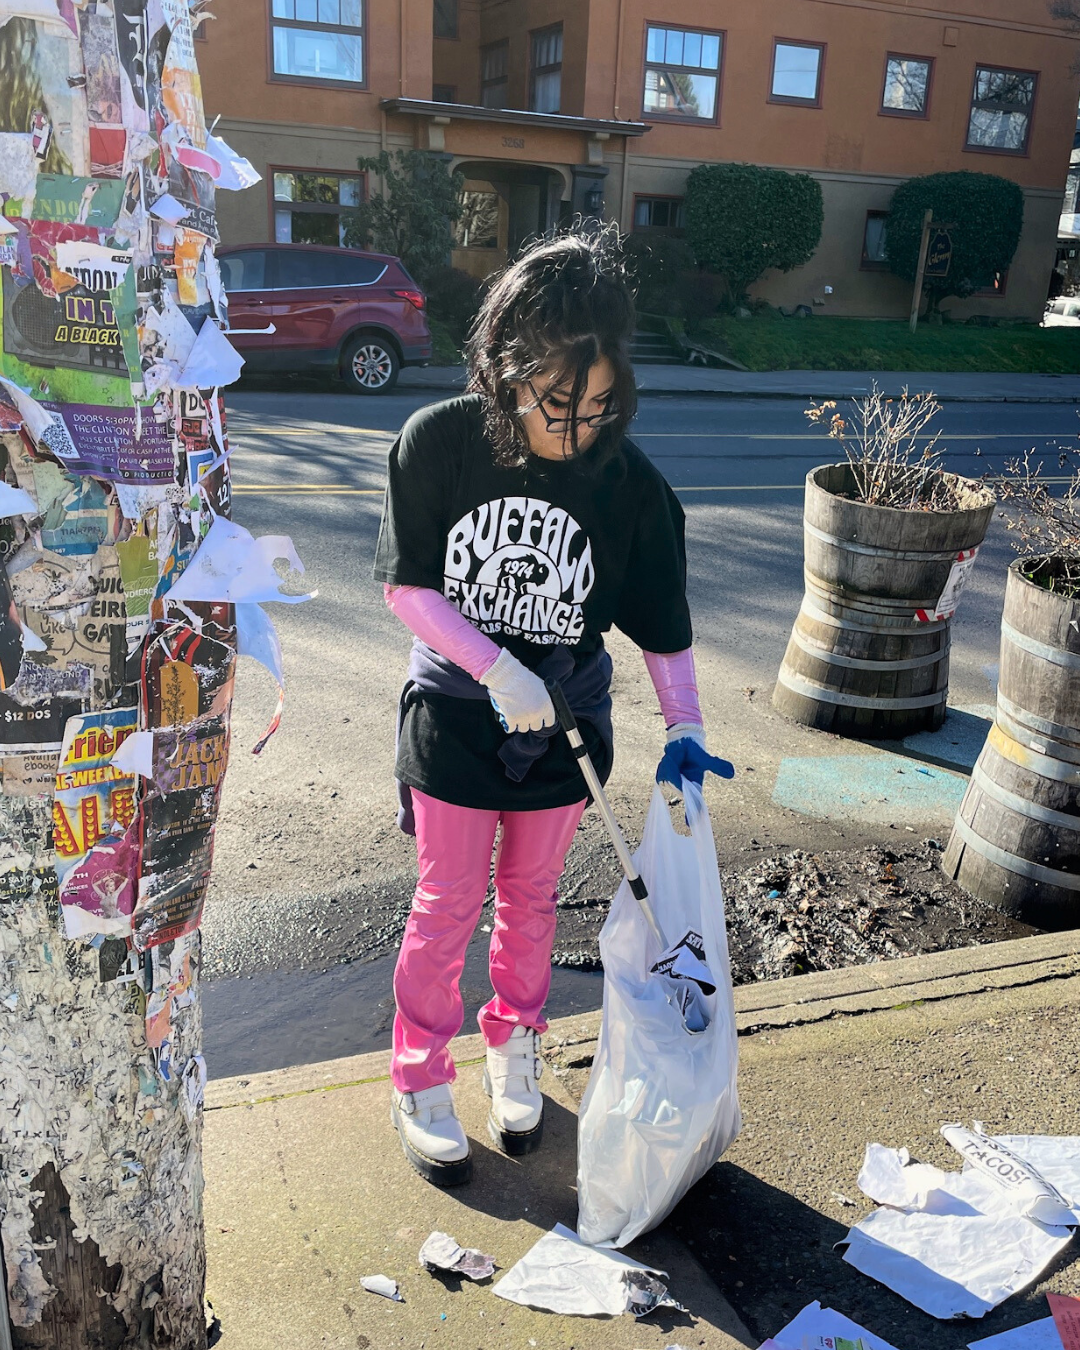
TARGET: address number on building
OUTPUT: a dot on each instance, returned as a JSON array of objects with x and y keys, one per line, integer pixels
[{"x": 514, "y": 142}]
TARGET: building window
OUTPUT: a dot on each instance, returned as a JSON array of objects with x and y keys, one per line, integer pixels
[
  {"x": 478, "y": 224},
  {"x": 996, "y": 287},
  {"x": 1001, "y": 105},
  {"x": 796, "y": 72},
  {"x": 545, "y": 88},
  {"x": 874, "y": 257},
  {"x": 319, "y": 40},
  {"x": 313, "y": 208},
  {"x": 907, "y": 86},
  {"x": 493, "y": 65},
  {"x": 444, "y": 93},
  {"x": 659, "y": 213},
  {"x": 682, "y": 73},
  {"x": 444, "y": 18}
]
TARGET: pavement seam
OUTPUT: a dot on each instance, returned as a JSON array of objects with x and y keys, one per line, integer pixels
[
  {"x": 839, "y": 1010},
  {"x": 322, "y": 1087}
]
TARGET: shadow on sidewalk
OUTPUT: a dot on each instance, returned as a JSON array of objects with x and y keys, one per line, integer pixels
[{"x": 771, "y": 1255}]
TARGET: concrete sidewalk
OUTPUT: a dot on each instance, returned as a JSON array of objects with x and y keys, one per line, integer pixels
[
  {"x": 308, "y": 1191},
  {"x": 948, "y": 386}
]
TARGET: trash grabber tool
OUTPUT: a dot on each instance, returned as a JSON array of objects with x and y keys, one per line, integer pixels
[{"x": 577, "y": 745}]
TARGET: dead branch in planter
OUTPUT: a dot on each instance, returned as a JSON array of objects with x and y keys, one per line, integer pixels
[
  {"x": 1041, "y": 524},
  {"x": 882, "y": 445}
]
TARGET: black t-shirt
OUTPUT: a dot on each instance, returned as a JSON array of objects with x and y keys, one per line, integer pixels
[{"x": 552, "y": 552}]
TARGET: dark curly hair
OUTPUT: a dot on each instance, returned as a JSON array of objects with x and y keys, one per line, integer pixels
[{"x": 559, "y": 307}]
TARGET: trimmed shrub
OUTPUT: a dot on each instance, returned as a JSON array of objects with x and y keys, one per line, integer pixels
[
  {"x": 985, "y": 213},
  {"x": 742, "y": 220},
  {"x": 453, "y": 298}
]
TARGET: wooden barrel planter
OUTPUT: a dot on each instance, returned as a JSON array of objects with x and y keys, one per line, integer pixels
[
  {"x": 866, "y": 656},
  {"x": 1016, "y": 839}
]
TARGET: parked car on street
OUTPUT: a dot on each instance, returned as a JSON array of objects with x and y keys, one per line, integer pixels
[
  {"x": 1064, "y": 312},
  {"x": 305, "y": 307}
]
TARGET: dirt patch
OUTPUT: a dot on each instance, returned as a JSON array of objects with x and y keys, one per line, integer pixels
[{"x": 791, "y": 913}]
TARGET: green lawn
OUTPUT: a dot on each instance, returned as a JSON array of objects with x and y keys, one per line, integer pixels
[{"x": 770, "y": 342}]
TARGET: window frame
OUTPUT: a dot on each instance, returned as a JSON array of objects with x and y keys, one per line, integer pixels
[
  {"x": 322, "y": 208},
  {"x": 670, "y": 230},
  {"x": 909, "y": 113},
  {"x": 535, "y": 70},
  {"x": 678, "y": 118},
  {"x": 870, "y": 264},
  {"x": 308, "y": 81},
  {"x": 1025, "y": 151},
  {"x": 455, "y": 36},
  {"x": 786, "y": 100},
  {"x": 988, "y": 292},
  {"x": 504, "y": 81}
]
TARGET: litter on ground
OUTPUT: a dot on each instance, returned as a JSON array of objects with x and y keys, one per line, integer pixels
[
  {"x": 442, "y": 1252},
  {"x": 956, "y": 1244},
  {"x": 384, "y": 1285},
  {"x": 561, "y": 1274}
]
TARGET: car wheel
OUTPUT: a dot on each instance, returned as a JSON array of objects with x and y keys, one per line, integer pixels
[{"x": 369, "y": 365}]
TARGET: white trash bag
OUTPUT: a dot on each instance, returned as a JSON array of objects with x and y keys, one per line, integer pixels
[{"x": 662, "y": 1103}]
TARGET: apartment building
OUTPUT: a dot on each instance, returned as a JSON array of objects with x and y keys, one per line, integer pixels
[{"x": 549, "y": 107}]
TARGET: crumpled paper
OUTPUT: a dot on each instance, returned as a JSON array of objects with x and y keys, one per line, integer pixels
[
  {"x": 442, "y": 1252},
  {"x": 952, "y": 1243},
  {"x": 562, "y": 1274}
]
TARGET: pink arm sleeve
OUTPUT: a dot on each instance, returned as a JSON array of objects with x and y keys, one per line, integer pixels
[
  {"x": 435, "y": 621},
  {"x": 675, "y": 683}
]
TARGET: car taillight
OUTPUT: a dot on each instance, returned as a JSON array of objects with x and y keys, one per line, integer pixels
[{"x": 415, "y": 298}]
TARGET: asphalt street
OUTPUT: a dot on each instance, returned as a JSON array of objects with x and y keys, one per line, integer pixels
[{"x": 312, "y": 878}]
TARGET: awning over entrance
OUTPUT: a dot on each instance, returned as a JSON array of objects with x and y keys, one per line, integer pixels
[{"x": 441, "y": 113}]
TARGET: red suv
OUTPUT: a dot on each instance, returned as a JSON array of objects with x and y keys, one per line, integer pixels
[{"x": 303, "y": 307}]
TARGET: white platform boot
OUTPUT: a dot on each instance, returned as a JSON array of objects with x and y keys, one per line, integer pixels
[
  {"x": 431, "y": 1134},
  {"x": 512, "y": 1081}
]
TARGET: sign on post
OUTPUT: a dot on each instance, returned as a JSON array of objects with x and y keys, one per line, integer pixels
[{"x": 938, "y": 253}]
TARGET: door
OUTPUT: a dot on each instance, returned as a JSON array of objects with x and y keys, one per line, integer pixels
[
  {"x": 317, "y": 301},
  {"x": 249, "y": 287}
]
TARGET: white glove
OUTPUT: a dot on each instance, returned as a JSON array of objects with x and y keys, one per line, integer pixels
[{"x": 521, "y": 698}]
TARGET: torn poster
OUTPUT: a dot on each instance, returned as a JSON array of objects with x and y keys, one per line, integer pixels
[
  {"x": 34, "y": 705},
  {"x": 75, "y": 605},
  {"x": 187, "y": 690},
  {"x": 173, "y": 969},
  {"x": 112, "y": 443},
  {"x": 952, "y": 1243},
  {"x": 95, "y": 802},
  {"x": 233, "y": 565},
  {"x": 257, "y": 637}
]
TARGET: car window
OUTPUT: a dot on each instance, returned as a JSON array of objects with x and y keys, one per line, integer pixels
[
  {"x": 299, "y": 268},
  {"x": 1072, "y": 311},
  {"x": 355, "y": 271},
  {"x": 244, "y": 271}
]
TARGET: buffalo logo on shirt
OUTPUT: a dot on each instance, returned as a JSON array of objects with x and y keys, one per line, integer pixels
[{"x": 520, "y": 566}]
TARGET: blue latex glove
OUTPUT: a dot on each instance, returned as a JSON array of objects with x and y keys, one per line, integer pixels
[{"x": 685, "y": 756}]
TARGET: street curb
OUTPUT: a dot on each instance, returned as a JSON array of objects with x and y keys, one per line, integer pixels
[
  {"x": 794, "y": 1001},
  {"x": 457, "y": 387}
]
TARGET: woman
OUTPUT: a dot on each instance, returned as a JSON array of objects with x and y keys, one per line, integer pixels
[{"x": 519, "y": 525}]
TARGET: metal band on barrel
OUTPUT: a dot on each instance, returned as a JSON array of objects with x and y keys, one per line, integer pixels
[
  {"x": 1057, "y": 655},
  {"x": 810, "y": 689},
  {"x": 1066, "y": 881},
  {"x": 861, "y": 663},
  {"x": 873, "y": 551}
]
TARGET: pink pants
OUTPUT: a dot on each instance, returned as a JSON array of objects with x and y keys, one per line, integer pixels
[{"x": 453, "y": 846}]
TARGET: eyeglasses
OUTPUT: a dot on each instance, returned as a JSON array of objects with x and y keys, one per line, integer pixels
[{"x": 563, "y": 424}]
